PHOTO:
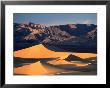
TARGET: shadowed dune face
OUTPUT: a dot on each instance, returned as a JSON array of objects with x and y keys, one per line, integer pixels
[{"x": 85, "y": 55}]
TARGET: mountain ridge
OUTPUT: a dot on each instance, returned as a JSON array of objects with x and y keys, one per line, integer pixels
[{"x": 61, "y": 36}]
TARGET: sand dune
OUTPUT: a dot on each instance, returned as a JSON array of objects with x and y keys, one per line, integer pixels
[
  {"x": 49, "y": 67},
  {"x": 39, "y": 51},
  {"x": 37, "y": 69}
]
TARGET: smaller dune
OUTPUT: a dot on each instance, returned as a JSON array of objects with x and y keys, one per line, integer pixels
[{"x": 36, "y": 69}]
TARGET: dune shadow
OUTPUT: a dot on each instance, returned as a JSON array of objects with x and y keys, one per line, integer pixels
[
  {"x": 90, "y": 69},
  {"x": 18, "y": 62}
]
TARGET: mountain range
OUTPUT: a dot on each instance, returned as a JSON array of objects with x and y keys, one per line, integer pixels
[{"x": 68, "y": 37}]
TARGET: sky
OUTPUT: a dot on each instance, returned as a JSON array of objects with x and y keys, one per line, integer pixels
[{"x": 55, "y": 18}]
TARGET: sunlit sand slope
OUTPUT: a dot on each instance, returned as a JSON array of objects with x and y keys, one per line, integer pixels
[
  {"x": 39, "y": 51},
  {"x": 37, "y": 69}
]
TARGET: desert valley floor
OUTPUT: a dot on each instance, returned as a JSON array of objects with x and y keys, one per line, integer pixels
[{"x": 38, "y": 60}]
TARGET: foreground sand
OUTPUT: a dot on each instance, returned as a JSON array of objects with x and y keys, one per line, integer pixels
[
  {"x": 37, "y": 69},
  {"x": 56, "y": 66}
]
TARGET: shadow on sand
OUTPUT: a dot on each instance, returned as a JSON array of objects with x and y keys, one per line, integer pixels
[{"x": 71, "y": 69}]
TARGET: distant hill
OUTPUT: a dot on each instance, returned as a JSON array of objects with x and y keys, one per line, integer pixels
[{"x": 69, "y": 37}]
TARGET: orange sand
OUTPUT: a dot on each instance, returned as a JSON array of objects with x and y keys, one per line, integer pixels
[
  {"x": 39, "y": 51},
  {"x": 36, "y": 69}
]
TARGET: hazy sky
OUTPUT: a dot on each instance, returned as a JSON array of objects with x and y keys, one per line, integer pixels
[{"x": 55, "y": 18}]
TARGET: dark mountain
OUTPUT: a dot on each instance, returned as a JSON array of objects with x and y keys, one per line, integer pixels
[
  {"x": 26, "y": 35},
  {"x": 56, "y": 35},
  {"x": 70, "y": 37},
  {"x": 86, "y": 43}
]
